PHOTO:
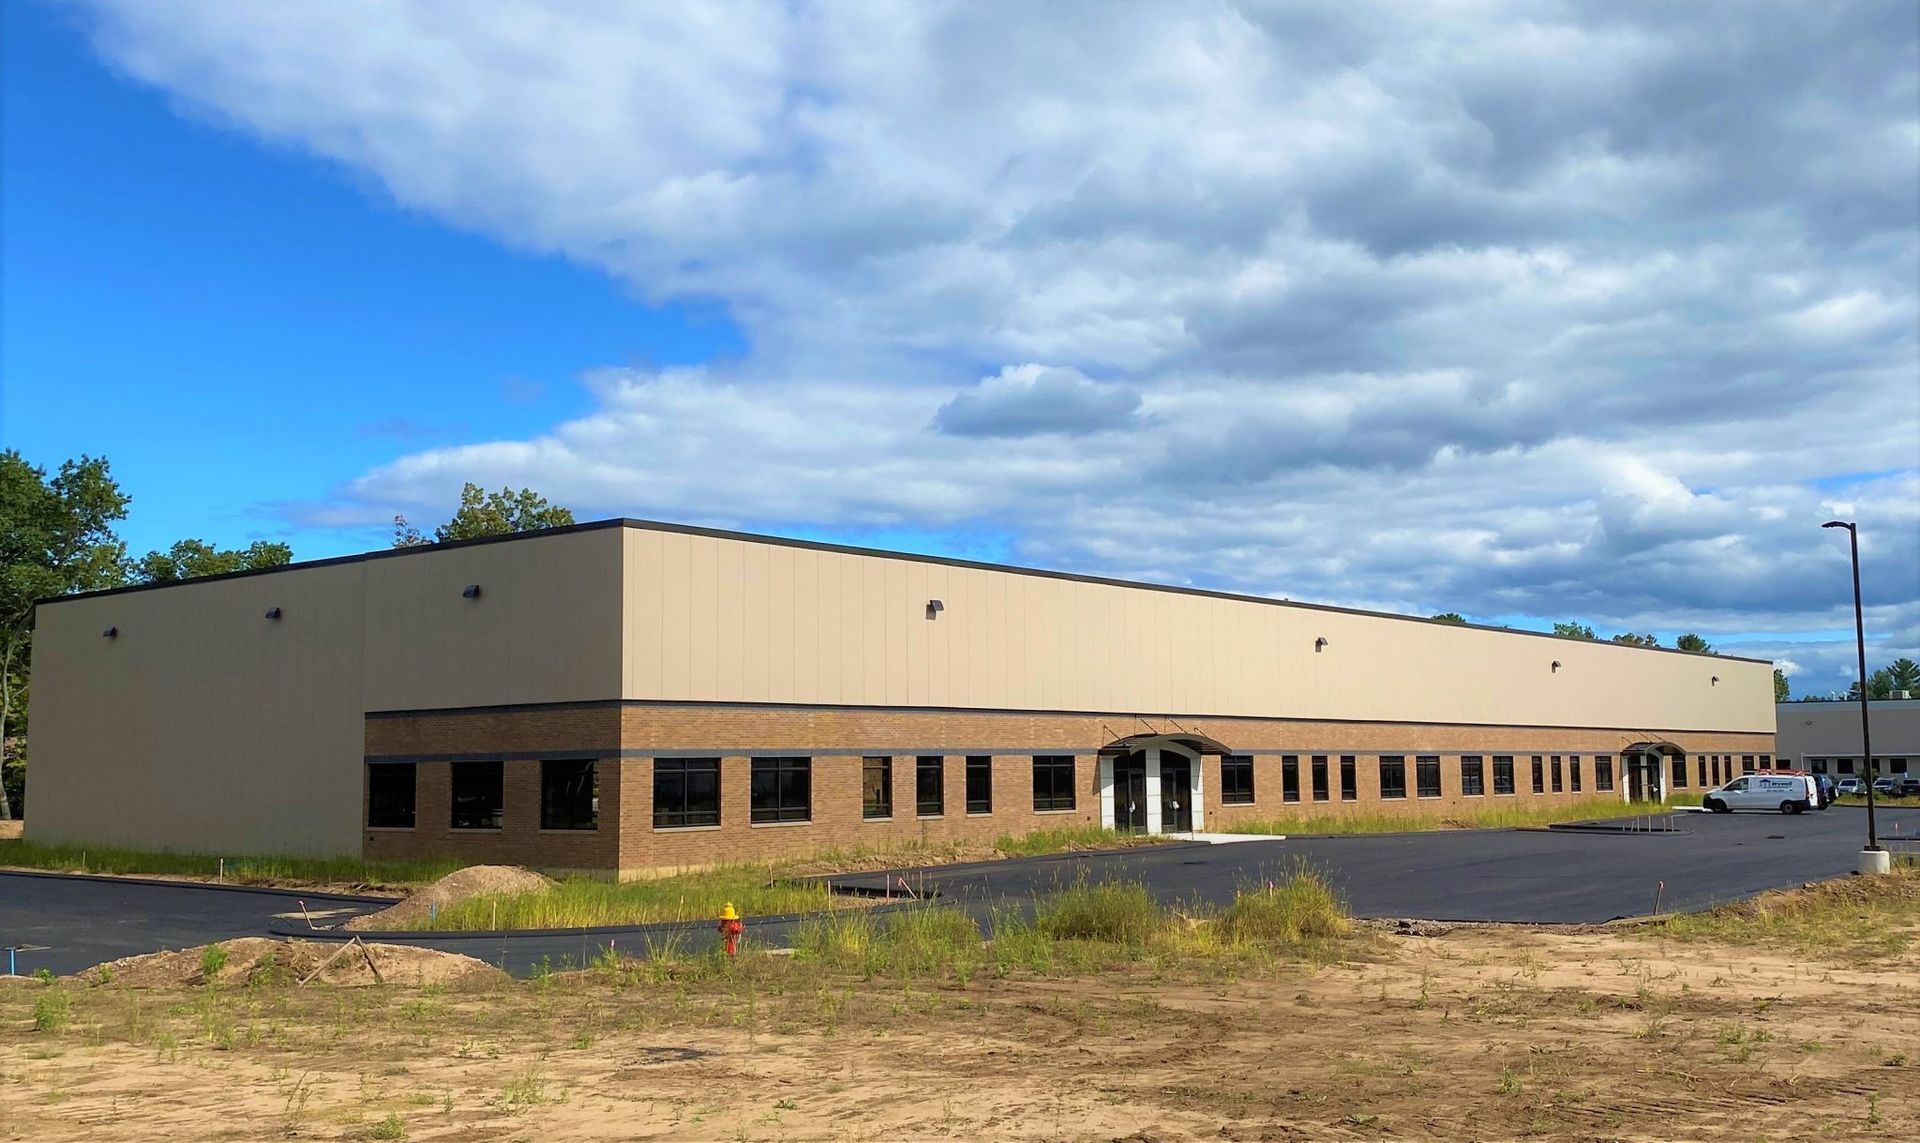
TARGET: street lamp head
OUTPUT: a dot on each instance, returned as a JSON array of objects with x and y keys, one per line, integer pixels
[{"x": 1837, "y": 524}]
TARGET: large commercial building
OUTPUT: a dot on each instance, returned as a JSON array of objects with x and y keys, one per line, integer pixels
[
  {"x": 624, "y": 696},
  {"x": 1824, "y": 737}
]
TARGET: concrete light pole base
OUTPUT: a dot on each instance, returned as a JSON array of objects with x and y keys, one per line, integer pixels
[{"x": 1875, "y": 861}]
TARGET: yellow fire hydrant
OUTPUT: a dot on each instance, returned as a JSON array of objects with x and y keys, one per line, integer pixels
[{"x": 731, "y": 927}]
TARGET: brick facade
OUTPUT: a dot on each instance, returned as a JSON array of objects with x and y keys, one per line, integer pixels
[{"x": 624, "y": 737}]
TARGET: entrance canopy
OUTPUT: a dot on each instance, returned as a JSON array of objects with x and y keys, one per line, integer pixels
[
  {"x": 1198, "y": 743},
  {"x": 1662, "y": 747}
]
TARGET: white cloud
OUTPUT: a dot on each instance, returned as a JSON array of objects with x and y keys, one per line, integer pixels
[{"x": 1510, "y": 308}]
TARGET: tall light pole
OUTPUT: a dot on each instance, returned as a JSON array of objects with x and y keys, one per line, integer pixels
[{"x": 1866, "y": 737}]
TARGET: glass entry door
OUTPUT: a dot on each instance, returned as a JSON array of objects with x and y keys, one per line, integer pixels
[
  {"x": 1176, "y": 793},
  {"x": 1130, "y": 793}
]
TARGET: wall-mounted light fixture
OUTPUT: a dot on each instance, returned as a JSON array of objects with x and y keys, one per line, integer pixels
[
  {"x": 1320, "y": 644},
  {"x": 934, "y": 608},
  {"x": 1556, "y": 666},
  {"x": 471, "y": 591},
  {"x": 1715, "y": 681},
  {"x": 273, "y": 613},
  {"x": 111, "y": 633}
]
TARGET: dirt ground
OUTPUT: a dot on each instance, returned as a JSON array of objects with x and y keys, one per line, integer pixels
[
  {"x": 1490, "y": 1033},
  {"x": 12, "y": 828},
  {"x": 473, "y": 881}
]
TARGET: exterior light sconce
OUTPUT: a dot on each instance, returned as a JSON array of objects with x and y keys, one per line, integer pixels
[
  {"x": 110, "y": 633},
  {"x": 1319, "y": 644},
  {"x": 471, "y": 591},
  {"x": 1556, "y": 666},
  {"x": 273, "y": 613},
  {"x": 1715, "y": 681},
  {"x": 934, "y": 608}
]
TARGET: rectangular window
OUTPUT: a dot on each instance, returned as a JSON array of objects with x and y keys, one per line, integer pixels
[
  {"x": 979, "y": 784},
  {"x": 1349, "y": 779},
  {"x": 1899, "y": 765},
  {"x": 1236, "y": 780},
  {"x": 1843, "y": 766},
  {"x": 1602, "y": 772},
  {"x": 1503, "y": 773},
  {"x": 1319, "y": 777},
  {"x": 1289, "y": 777},
  {"x": 780, "y": 790},
  {"x": 1393, "y": 776},
  {"x": 1766, "y": 761},
  {"x": 1746, "y": 764},
  {"x": 1539, "y": 775},
  {"x": 390, "y": 795},
  {"x": 930, "y": 786},
  {"x": 1680, "y": 772},
  {"x": 1701, "y": 766},
  {"x": 569, "y": 794},
  {"x": 1427, "y": 775},
  {"x": 1473, "y": 775},
  {"x": 479, "y": 795},
  {"x": 1053, "y": 781},
  {"x": 686, "y": 792},
  {"x": 876, "y": 788},
  {"x": 1557, "y": 777},
  {"x": 1716, "y": 769},
  {"x": 1573, "y": 772}
]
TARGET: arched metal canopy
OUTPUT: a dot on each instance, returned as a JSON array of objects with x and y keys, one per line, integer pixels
[
  {"x": 1661, "y": 747},
  {"x": 1198, "y": 743}
]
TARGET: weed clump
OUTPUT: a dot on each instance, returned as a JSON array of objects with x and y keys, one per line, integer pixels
[
  {"x": 1300, "y": 908},
  {"x": 1121, "y": 913}
]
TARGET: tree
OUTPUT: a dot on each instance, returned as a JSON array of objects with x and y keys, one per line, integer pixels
[
  {"x": 1574, "y": 631},
  {"x": 56, "y": 537},
  {"x": 189, "y": 559},
  {"x": 487, "y": 514},
  {"x": 1692, "y": 642},
  {"x": 1905, "y": 674},
  {"x": 1780, "y": 691},
  {"x": 1629, "y": 639},
  {"x": 1449, "y": 617}
]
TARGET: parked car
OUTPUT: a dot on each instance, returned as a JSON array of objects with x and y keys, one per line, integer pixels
[
  {"x": 1886, "y": 787},
  {"x": 1906, "y": 787},
  {"x": 1853, "y": 786},
  {"x": 1787, "y": 793},
  {"x": 1827, "y": 791}
]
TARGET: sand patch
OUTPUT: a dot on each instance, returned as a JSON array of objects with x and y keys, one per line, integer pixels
[
  {"x": 473, "y": 881},
  {"x": 258, "y": 960},
  {"x": 12, "y": 829}
]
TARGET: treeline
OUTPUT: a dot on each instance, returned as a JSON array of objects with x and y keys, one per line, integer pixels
[
  {"x": 1903, "y": 674},
  {"x": 57, "y": 537}
]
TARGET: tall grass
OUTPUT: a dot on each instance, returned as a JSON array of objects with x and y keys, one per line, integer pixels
[
  {"x": 1507, "y": 816},
  {"x": 584, "y": 902},
  {"x": 908, "y": 943},
  {"x": 1072, "y": 839},
  {"x": 1871, "y": 916},
  {"x": 240, "y": 869}
]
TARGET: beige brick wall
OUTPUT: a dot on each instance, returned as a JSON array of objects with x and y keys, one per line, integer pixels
[{"x": 624, "y": 735}]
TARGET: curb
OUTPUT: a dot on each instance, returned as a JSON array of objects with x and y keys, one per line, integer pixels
[
  {"x": 389, "y": 936},
  {"x": 267, "y": 890}
]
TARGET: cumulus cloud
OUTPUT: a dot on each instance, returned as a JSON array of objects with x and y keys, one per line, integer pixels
[{"x": 1520, "y": 308}]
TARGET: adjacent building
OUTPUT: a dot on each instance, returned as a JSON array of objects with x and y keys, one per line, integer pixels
[
  {"x": 1824, "y": 737},
  {"x": 626, "y": 696}
]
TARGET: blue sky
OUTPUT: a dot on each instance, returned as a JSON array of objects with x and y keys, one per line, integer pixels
[{"x": 1567, "y": 311}]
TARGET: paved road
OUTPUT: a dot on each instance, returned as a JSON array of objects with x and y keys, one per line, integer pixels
[{"x": 1487, "y": 875}]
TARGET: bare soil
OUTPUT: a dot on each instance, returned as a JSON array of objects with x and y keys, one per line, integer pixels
[
  {"x": 473, "y": 881},
  {"x": 250, "y": 961},
  {"x": 1475, "y": 1032},
  {"x": 11, "y": 828}
]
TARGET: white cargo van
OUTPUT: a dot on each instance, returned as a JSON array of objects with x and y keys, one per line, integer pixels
[{"x": 1787, "y": 793}]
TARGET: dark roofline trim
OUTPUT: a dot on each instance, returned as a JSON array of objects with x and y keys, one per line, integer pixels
[{"x": 851, "y": 550}]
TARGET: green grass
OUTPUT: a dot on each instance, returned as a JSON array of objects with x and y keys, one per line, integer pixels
[
  {"x": 1861, "y": 916},
  {"x": 1878, "y": 800},
  {"x": 584, "y": 902},
  {"x": 1070, "y": 839},
  {"x": 1503, "y": 816},
  {"x": 240, "y": 870}
]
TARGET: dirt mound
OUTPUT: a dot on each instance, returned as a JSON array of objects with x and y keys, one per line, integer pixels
[
  {"x": 473, "y": 881},
  {"x": 11, "y": 828},
  {"x": 251, "y": 960}
]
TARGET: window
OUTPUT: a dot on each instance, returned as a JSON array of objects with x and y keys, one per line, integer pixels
[
  {"x": 1289, "y": 777},
  {"x": 1236, "y": 780},
  {"x": 1053, "y": 781},
  {"x": 686, "y": 792},
  {"x": 1539, "y": 775},
  {"x": 1349, "y": 780},
  {"x": 1473, "y": 775},
  {"x": 930, "y": 786},
  {"x": 979, "y": 784},
  {"x": 1557, "y": 784},
  {"x": 1899, "y": 765},
  {"x": 1716, "y": 770},
  {"x": 1503, "y": 773},
  {"x": 1679, "y": 772},
  {"x": 1819, "y": 765},
  {"x": 1701, "y": 766},
  {"x": 1843, "y": 765},
  {"x": 569, "y": 794},
  {"x": 1602, "y": 772},
  {"x": 876, "y": 788},
  {"x": 1573, "y": 772},
  {"x": 390, "y": 795},
  {"x": 1766, "y": 761},
  {"x": 479, "y": 796},
  {"x": 1393, "y": 776},
  {"x": 1746, "y": 764},
  {"x": 1427, "y": 775},
  {"x": 781, "y": 790},
  {"x": 1319, "y": 777}
]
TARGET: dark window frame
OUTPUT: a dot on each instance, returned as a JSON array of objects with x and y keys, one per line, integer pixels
[
  {"x": 386, "y": 807},
  {"x": 1349, "y": 778},
  {"x": 1503, "y": 775},
  {"x": 1055, "y": 781},
  {"x": 1393, "y": 777},
  {"x": 1236, "y": 780},
  {"x": 1573, "y": 773},
  {"x": 1679, "y": 770},
  {"x": 1559, "y": 778},
  {"x": 780, "y": 790},
  {"x": 1426, "y": 776},
  {"x": 1473, "y": 776},
  {"x": 674, "y": 804},
  {"x": 1603, "y": 772},
  {"x": 979, "y": 796},
  {"x": 1321, "y": 791},
  {"x": 556, "y": 793},
  {"x": 1290, "y": 778},
  {"x": 473, "y": 776},
  {"x": 930, "y": 797},
  {"x": 876, "y": 788},
  {"x": 1539, "y": 773}
]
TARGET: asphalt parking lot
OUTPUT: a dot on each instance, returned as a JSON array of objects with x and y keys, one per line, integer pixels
[{"x": 69, "y": 923}]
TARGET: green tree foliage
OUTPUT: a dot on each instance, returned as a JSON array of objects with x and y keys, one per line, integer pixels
[
  {"x": 1629, "y": 639},
  {"x": 1905, "y": 675},
  {"x": 1449, "y": 617},
  {"x": 1574, "y": 631},
  {"x": 1780, "y": 691},
  {"x": 487, "y": 514},
  {"x": 189, "y": 559},
  {"x": 56, "y": 537},
  {"x": 1692, "y": 642}
]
